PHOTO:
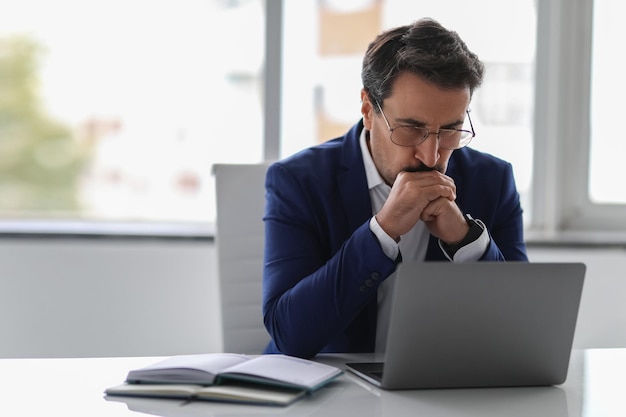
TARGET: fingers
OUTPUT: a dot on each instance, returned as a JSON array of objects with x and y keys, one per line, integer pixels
[
  {"x": 411, "y": 194},
  {"x": 427, "y": 186},
  {"x": 444, "y": 220},
  {"x": 436, "y": 208},
  {"x": 426, "y": 196}
]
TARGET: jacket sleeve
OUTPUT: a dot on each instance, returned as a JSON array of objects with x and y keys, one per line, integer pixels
[
  {"x": 312, "y": 290},
  {"x": 505, "y": 222}
]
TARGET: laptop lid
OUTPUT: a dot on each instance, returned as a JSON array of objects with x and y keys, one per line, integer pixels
[{"x": 484, "y": 324}]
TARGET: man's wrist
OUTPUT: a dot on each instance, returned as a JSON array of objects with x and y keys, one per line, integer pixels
[
  {"x": 476, "y": 229},
  {"x": 388, "y": 244}
]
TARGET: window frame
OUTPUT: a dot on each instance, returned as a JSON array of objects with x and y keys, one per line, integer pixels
[{"x": 562, "y": 210}]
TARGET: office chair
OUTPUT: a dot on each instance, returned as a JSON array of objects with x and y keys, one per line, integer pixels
[{"x": 240, "y": 195}]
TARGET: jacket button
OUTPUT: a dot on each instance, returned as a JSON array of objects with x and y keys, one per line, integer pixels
[
  {"x": 375, "y": 276},
  {"x": 369, "y": 282},
  {"x": 363, "y": 288}
]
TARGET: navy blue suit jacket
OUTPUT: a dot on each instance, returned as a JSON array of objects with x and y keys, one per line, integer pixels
[{"x": 322, "y": 263}]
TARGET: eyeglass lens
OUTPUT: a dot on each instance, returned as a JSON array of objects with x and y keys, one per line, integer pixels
[{"x": 413, "y": 135}]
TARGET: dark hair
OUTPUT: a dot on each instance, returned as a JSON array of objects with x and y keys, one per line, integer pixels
[{"x": 424, "y": 48}]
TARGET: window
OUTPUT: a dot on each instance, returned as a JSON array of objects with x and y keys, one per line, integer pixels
[
  {"x": 114, "y": 111},
  {"x": 608, "y": 145},
  {"x": 574, "y": 163}
]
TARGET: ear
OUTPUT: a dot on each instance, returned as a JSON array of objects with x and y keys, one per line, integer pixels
[{"x": 367, "y": 109}]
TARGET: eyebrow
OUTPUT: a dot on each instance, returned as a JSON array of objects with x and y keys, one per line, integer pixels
[{"x": 416, "y": 123}]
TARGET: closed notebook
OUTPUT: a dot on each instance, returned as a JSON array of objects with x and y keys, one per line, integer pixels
[{"x": 231, "y": 392}]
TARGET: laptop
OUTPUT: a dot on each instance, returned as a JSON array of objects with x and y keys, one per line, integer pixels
[{"x": 483, "y": 324}]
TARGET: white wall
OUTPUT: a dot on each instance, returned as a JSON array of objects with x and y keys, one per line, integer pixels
[
  {"x": 106, "y": 297},
  {"x": 102, "y": 297}
]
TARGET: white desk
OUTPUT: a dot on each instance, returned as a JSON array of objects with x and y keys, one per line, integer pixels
[{"x": 74, "y": 387}]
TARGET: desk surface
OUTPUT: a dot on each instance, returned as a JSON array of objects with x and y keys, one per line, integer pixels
[{"x": 74, "y": 387}]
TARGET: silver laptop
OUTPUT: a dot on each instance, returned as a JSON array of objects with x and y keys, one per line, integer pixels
[{"x": 484, "y": 324}]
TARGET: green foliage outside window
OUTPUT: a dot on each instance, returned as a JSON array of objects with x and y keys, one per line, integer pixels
[{"x": 41, "y": 160}]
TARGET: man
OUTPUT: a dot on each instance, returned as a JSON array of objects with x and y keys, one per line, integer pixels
[{"x": 400, "y": 185}]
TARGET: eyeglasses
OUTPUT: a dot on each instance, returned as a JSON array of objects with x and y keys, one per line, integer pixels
[{"x": 450, "y": 139}]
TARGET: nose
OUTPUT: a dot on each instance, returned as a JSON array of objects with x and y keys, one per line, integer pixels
[{"x": 428, "y": 151}]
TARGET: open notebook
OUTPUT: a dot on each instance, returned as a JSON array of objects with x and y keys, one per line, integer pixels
[{"x": 479, "y": 325}]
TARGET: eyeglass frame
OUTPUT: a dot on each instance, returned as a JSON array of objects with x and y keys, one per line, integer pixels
[{"x": 428, "y": 132}]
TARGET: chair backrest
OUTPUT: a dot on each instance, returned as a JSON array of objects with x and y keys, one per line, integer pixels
[{"x": 240, "y": 196}]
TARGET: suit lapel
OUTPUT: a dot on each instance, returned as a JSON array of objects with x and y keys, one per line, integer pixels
[{"x": 352, "y": 181}]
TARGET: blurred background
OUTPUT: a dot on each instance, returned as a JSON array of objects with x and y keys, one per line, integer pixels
[{"x": 112, "y": 113}]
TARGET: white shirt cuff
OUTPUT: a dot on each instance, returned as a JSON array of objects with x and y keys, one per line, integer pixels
[
  {"x": 390, "y": 247},
  {"x": 473, "y": 250}
]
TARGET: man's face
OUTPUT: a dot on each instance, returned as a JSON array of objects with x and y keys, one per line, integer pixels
[{"x": 413, "y": 102}]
